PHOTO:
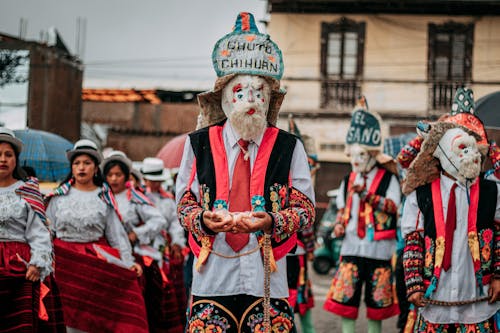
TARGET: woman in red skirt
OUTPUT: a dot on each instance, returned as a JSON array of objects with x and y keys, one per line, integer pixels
[
  {"x": 144, "y": 223},
  {"x": 96, "y": 271},
  {"x": 28, "y": 295}
]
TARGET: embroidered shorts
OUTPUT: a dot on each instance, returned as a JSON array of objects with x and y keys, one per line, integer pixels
[
  {"x": 238, "y": 313},
  {"x": 427, "y": 327},
  {"x": 344, "y": 295}
]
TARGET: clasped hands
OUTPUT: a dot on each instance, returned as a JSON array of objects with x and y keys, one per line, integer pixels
[{"x": 237, "y": 222}]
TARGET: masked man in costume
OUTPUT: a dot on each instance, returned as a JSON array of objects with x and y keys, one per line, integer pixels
[
  {"x": 451, "y": 227},
  {"x": 368, "y": 201},
  {"x": 243, "y": 191}
]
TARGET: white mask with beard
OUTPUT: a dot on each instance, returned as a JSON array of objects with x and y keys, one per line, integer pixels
[
  {"x": 245, "y": 101},
  {"x": 459, "y": 156},
  {"x": 362, "y": 160}
]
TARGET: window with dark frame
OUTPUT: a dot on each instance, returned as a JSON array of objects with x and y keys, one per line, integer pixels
[
  {"x": 450, "y": 61},
  {"x": 342, "y": 55}
]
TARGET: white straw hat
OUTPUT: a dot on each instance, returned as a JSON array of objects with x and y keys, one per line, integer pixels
[
  {"x": 117, "y": 155},
  {"x": 153, "y": 169},
  {"x": 85, "y": 146},
  {"x": 7, "y": 135}
]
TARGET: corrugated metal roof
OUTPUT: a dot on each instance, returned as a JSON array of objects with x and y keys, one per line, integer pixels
[{"x": 120, "y": 96}]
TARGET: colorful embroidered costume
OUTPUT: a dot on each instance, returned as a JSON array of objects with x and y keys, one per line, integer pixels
[
  {"x": 366, "y": 259},
  {"x": 239, "y": 279},
  {"x": 467, "y": 279},
  {"x": 25, "y": 240},
  {"x": 368, "y": 201},
  {"x": 451, "y": 225}
]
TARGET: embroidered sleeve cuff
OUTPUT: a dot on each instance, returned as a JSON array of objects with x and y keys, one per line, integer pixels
[
  {"x": 298, "y": 216},
  {"x": 43, "y": 261},
  {"x": 191, "y": 216},
  {"x": 413, "y": 263}
]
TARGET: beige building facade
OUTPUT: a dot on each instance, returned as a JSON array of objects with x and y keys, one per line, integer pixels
[{"x": 407, "y": 64}]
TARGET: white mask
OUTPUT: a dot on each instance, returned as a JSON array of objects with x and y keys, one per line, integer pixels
[
  {"x": 245, "y": 101},
  {"x": 361, "y": 159},
  {"x": 459, "y": 156}
]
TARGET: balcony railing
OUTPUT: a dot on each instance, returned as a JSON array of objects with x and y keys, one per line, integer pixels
[
  {"x": 340, "y": 95},
  {"x": 441, "y": 94}
]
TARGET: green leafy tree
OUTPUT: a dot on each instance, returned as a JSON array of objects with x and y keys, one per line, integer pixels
[{"x": 10, "y": 60}]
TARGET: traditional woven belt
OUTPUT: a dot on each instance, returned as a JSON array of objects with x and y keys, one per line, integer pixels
[{"x": 455, "y": 303}]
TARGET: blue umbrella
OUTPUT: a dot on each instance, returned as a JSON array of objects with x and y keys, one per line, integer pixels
[{"x": 45, "y": 152}]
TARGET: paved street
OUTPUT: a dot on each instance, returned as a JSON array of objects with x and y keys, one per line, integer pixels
[{"x": 326, "y": 322}]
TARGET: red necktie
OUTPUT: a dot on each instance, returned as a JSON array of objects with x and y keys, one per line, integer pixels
[
  {"x": 239, "y": 195},
  {"x": 361, "y": 215},
  {"x": 451, "y": 224},
  {"x": 361, "y": 220}
]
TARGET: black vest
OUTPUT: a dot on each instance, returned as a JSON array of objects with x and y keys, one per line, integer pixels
[
  {"x": 278, "y": 168},
  {"x": 485, "y": 223}
]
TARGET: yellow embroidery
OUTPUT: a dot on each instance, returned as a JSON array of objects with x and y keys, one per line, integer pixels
[
  {"x": 439, "y": 251},
  {"x": 474, "y": 245}
]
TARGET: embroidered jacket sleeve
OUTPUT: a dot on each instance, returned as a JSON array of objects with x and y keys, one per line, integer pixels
[
  {"x": 153, "y": 221},
  {"x": 496, "y": 256},
  {"x": 117, "y": 237},
  {"x": 413, "y": 255},
  {"x": 38, "y": 237},
  {"x": 188, "y": 208},
  {"x": 300, "y": 214},
  {"x": 388, "y": 204},
  {"x": 307, "y": 237}
]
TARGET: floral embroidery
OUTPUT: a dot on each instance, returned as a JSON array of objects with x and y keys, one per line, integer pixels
[
  {"x": 344, "y": 282},
  {"x": 382, "y": 286},
  {"x": 205, "y": 196},
  {"x": 485, "y": 242},
  {"x": 382, "y": 220},
  {"x": 427, "y": 327},
  {"x": 297, "y": 216},
  {"x": 189, "y": 215},
  {"x": 258, "y": 203},
  {"x": 220, "y": 204},
  {"x": 278, "y": 195},
  {"x": 208, "y": 320},
  {"x": 474, "y": 245},
  {"x": 281, "y": 322},
  {"x": 430, "y": 248}
]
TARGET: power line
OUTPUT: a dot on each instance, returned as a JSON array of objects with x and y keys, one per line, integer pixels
[{"x": 143, "y": 60}]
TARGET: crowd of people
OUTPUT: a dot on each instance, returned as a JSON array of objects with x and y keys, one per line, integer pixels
[{"x": 111, "y": 250}]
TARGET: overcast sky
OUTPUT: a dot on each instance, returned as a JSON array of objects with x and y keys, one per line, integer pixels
[{"x": 132, "y": 43}]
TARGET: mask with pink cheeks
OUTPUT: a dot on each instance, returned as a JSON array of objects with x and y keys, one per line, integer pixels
[
  {"x": 459, "y": 156},
  {"x": 245, "y": 101}
]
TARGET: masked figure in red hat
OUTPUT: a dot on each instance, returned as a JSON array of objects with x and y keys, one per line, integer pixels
[
  {"x": 451, "y": 226},
  {"x": 243, "y": 191},
  {"x": 368, "y": 201}
]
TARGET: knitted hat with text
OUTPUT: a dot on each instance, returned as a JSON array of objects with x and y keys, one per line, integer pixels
[{"x": 243, "y": 51}]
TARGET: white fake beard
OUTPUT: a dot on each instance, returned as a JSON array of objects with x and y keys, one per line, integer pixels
[
  {"x": 469, "y": 168},
  {"x": 249, "y": 127}
]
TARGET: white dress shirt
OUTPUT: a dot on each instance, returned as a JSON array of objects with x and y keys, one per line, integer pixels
[{"x": 352, "y": 245}]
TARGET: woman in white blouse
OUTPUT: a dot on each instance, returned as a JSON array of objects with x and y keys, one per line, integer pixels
[
  {"x": 96, "y": 271},
  {"x": 144, "y": 224},
  {"x": 25, "y": 246}
]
